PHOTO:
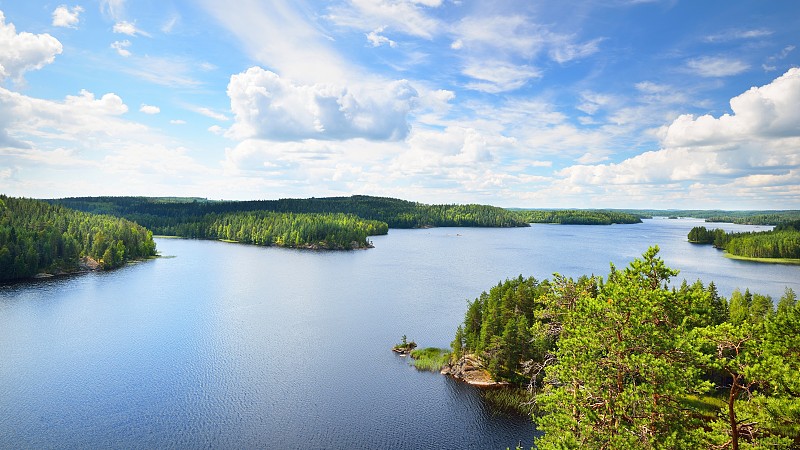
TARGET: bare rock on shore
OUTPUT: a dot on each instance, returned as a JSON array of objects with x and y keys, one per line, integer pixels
[
  {"x": 470, "y": 370},
  {"x": 88, "y": 264}
]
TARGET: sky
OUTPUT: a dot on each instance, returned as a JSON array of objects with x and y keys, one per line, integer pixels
[{"x": 540, "y": 104}]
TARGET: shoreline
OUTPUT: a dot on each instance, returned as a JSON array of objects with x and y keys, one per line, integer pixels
[
  {"x": 786, "y": 261},
  {"x": 85, "y": 266},
  {"x": 309, "y": 246}
]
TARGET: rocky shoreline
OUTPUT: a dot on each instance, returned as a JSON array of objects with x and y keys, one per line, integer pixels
[{"x": 469, "y": 369}]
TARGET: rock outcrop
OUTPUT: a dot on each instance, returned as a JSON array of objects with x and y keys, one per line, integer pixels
[{"x": 470, "y": 370}]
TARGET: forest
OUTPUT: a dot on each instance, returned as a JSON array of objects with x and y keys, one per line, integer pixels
[
  {"x": 36, "y": 236},
  {"x": 161, "y": 214},
  {"x": 320, "y": 231},
  {"x": 577, "y": 216},
  {"x": 627, "y": 361},
  {"x": 781, "y": 242},
  {"x": 756, "y": 217}
]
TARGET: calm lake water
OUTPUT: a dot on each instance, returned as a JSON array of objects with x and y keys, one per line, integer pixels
[{"x": 231, "y": 346}]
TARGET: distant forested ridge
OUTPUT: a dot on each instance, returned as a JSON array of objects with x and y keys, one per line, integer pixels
[
  {"x": 36, "y": 236},
  {"x": 164, "y": 215},
  {"x": 781, "y": 242},
  {"x": 756, "y": 217},
  {"x": 577, "y": 216},
  {"x": 629, "y": 362}
]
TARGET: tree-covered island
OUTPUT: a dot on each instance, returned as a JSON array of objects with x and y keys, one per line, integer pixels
[{"x": 629, "y": 362}]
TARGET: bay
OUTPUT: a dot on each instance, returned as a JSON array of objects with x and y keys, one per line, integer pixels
[{"x": 233, "y": 346}]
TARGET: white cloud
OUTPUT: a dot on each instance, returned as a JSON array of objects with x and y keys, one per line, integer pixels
[
  {"x": 165, "y": 71},
  {"x": 216, "y": 129},
  {"x": 404, "y": 16},
  {"x": 514, "y": 35},
  {"x": 86, "y": 133},
  {"x": 211, "y": 114},
  {"x": 113, "y": 8},
  {"x": 279, "y": 35},
  {"x": 592, "y": 158},
  {"x": 499, "y": 50},
  {"x": 22, "y": 52},
  {"x": 267, "y": 106},
  {"x": 79, "y": 118},
  {"x": 593, "y": 101},
  {"x": 376, "y": 39},
  {"x": 170, "y": 23},
  {"x": 122, "y": 47},
  {"x": 66, "y": 17},
  {"x": 568, "y": 51},
  {"x": 149, "y": 109},
  {"x": 713, "y": 66},
  {"x": 499, "y": 76},
  {"x": 764, "y": 112},
  {"x": 752, "y": 148},
  {"x": 732, "y": 35},
  {"x": 129, "y": 28}
]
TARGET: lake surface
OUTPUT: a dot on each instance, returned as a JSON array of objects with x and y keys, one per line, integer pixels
[{"x": 231, "y": 346}]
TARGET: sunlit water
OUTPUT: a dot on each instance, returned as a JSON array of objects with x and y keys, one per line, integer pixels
[{"x": 231, "y": 346}]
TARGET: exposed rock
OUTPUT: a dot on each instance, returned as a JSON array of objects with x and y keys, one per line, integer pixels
[
  {"x": 404, "y": 350},
  {"x": 470, "y": 370},
  {"x": 89, "y": 264}
]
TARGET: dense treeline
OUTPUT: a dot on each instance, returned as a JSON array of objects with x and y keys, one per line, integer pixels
[
  {"x": 324, "y": 231},
  {"x": 781, "y": 242},
  {"x": 577, "y": 216},
  {"x": 774, "y": 217},
  {"x": 628, "y": 362},
  {"x": 756, "y": 218},
  {"x": 36, "y": 236},
  {"x": 160, "y": 214}
]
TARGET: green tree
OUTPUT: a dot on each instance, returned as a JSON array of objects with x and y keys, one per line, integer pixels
[
  {"x": 624, "y": 364},
  {"x": 761, "y": 360}
]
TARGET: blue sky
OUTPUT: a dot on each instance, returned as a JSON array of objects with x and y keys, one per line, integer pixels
[{"x": 619, "y": 103}]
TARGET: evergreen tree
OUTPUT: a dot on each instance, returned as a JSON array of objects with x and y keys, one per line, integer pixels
[{"x": 623, "y": 364}]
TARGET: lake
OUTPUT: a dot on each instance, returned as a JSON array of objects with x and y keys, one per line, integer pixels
[{"x": 222, "y": 345}]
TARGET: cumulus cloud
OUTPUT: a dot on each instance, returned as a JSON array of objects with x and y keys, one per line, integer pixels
[
  {"x": 765, "y": 112},
  {"x": 22, "y": 52},
  {"x": 755, "y": 146},
  {"x": 714, "y": 67},
  {"x": 67, "y": 17},
  {"x": 149, "y": 109},
  {"x": 267, "y": 106},
  {"x": 81, "y": 118}
]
